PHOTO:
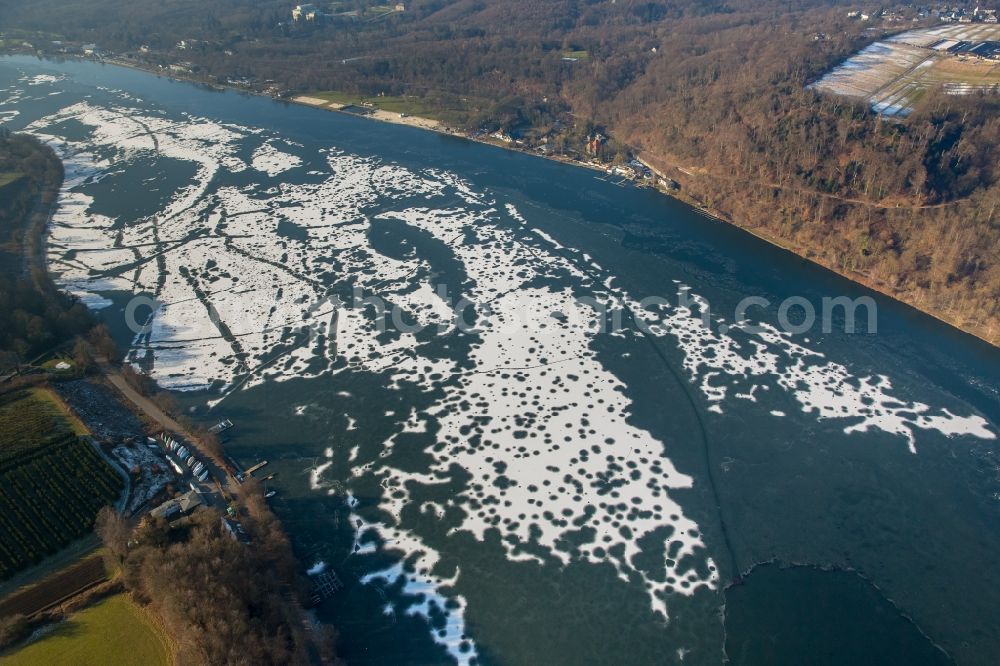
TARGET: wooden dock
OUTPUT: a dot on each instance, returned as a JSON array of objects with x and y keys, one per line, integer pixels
[
  {"x": 221, "y": 427},
  {"x": 243, "y": 476},
  {"x": 253, "y": 469}
]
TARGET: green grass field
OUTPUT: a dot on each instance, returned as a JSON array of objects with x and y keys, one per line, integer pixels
[{"x": 111, "y": 632}]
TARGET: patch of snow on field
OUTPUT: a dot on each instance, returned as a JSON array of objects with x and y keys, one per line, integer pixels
[
  {"x": 154, "y": 474},
  {"x": 891, "y": 73}
]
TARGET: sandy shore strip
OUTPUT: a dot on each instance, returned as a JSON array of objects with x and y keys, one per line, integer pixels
[
  {"x": 311, "y": 101},
  {"x": 411, "y": 121},
  {"x": 376, "y": 113},
  {"x": 436, "y": 126}
]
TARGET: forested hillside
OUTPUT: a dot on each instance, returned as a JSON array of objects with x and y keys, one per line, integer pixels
[
  {"x": 34, "y": 316},
  {"x": 715, "y": 87}
]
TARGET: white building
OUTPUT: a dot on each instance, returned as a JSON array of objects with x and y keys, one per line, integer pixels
[{"x": 307, "y": 12}]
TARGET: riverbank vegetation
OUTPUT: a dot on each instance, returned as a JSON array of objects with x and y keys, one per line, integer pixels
[
  {"x": 223, "y": 601},
  {"x": 35, "y": 317}
]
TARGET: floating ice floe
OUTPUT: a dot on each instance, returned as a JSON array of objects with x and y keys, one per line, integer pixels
[
  {"x": 420, "y": 586},
  {"x": 42, "y": 79},
  {"x": 272, "y": 161}
]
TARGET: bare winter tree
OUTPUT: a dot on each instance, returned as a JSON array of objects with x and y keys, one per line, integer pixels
[{"x": 114, "y": 530}]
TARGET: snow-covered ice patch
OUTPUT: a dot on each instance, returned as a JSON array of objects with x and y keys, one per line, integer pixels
[{"x": 270, "y": 160}]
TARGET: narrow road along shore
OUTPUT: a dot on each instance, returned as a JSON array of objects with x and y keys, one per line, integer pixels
[{"x": 216, "y": 466}]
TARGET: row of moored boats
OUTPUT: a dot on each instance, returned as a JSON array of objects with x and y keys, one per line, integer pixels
[{"x": 198, "y": 468}]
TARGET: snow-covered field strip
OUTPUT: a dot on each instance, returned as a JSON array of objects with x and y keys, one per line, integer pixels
[{"x": 891, "y": 75}]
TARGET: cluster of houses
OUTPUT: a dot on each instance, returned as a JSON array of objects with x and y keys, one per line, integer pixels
[
  {"x": 187, "y": 503},
  {"x": 307, "y": 12},
  {"x": 500, "y": 135},
  {"x": 310, "y": 13},
  {"x": 595, "y": 142},
  {"x": 65, "y": 48},
  {"x": 947, "y": 13},
  {"x": 634, "y": 169},
  {"x": 242, "y": 82},
  {"x": 963, "y": 15}
]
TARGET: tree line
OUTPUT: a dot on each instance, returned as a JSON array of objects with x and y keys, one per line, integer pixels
[
  {"x": 221, "y": 601},
  {"x": 34, "y": 315}
]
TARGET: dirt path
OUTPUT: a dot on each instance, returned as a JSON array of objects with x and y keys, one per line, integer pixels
[
  {"x": 147, "y": 406},
  {"x": 168, "y": 423},
  {"x": 696, "y": 172},
  {"x": 74, "y": 552}
]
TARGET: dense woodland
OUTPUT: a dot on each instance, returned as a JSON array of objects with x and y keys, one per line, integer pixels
[
  {"x": 34, "y": 316},
  {"x": 223, "y": 602},
  {"x": 717, "y": 87}
]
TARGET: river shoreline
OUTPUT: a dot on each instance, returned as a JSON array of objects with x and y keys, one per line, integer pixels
[
  {"x": 857, "y": 278},
  {"x": 426, "y": 124},
  {"x": 296, "y": 418},
  {"x": 415, "y": 122},
  {"x": 705, "y": 210}
]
